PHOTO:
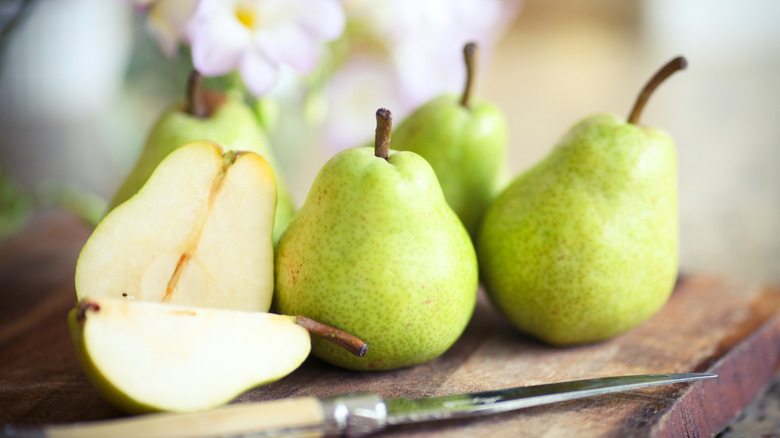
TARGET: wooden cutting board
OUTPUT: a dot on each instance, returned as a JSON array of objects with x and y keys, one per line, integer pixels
[{"x": 726, "y": 326}]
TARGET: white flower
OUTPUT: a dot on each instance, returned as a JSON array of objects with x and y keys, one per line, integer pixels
[
  {"x": 403, "y": 53},
  {"x": 362, "y": 85},
  {"x": 167, "y": 21},
  {"x": 256, "y": 36},
  {"x": 425, "y": 39}
]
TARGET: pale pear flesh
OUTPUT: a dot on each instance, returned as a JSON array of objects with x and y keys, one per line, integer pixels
[
  {"x": 232, "y": 124},
  {"x": 584, "y": 245},
  {"x": 376, "y": 251},
  {"x": 198, "y": 233},
  {"x": 147, "y": 356}
]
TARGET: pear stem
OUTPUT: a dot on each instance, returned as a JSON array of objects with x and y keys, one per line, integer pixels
[
  {"x": 84, "y": 307},
  {"x": 384, "y": 125},
  {"x": 333, "y": 335},
  {"x": 196, "y": 99},
  {"x": 470, "y": 57},
  {"x": 676, "y": 64}
]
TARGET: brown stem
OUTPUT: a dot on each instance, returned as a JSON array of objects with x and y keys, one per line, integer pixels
[
  {"x": 470, "y": 57},
  {"x": 333, "y": 335},
  {"x": 676, "y": 64},
  {"x": 85, "y": 306},
  {"x": 384, "y": 125},
  {"x": 196, "y": 104}
]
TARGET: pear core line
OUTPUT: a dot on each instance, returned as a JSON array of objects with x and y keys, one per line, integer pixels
[
  {"x": 384, "y": 125},
  {"x": 470, "y": 58},
  {"x": 675, "y": 65},
  {"x": 191, "y": 243}
]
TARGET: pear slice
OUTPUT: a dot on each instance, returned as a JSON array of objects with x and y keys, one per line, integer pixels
[
  {"x": 198, "y": 233},
  {"x": 146, "y": 356}
]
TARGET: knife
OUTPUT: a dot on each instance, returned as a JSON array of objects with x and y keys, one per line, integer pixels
[{"x": 345, "y": 415}]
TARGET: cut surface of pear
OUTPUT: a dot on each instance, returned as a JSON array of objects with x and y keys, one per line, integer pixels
[
  {"x": 199, "y": 233},
  {"x": 230, "y": 122},
  {"x": 146, "y": 356}
]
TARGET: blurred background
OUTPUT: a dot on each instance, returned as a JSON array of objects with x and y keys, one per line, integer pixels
[{"x": 82, "y": 81}]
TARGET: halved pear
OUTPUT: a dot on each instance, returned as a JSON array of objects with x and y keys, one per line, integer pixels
[
  {"x": 146, "y": 356},
  {"x": 198, "y": 233}
]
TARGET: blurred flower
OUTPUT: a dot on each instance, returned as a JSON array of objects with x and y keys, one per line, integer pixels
[
  {"x": 256, "y": 36},
  {"x": 425, "y": 39},
  {"x": 356, "y": 90},
  {"x": 409, "y": 51},
  {"x": 167, "y": 21},
  {"x": 395, "y": 53}
]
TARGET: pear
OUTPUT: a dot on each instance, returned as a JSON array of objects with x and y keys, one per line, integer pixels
[
  {"x": 584, "y": 245},
  {"x": 212, "y": 116},
  {"x": 376, "y": 251},
  {"x": 197, "y": 233},
  {"x": 464, "y": 140},
  {"x": 146, "y": 356}
]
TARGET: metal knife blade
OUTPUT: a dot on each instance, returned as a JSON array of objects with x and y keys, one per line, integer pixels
[
  {"x": 344, "y": 415},
  {"x": 403, "y": 411},
  {"x": 362, "y": 414}
]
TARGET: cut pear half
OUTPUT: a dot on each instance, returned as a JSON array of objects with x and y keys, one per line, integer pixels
[
  {"x": 146, "y": 356},
  {"x": 198, "y": 233}
]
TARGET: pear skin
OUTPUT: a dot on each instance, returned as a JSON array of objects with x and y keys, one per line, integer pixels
[
  {"x": 466, "y": 147},
  {"x": 464, "y": 139},
  {"x": 584, "y": 245},
  {"x": 376, "y": 251}
]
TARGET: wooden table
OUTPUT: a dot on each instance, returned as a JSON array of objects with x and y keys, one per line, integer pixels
[{"x": 729, "y": 327}]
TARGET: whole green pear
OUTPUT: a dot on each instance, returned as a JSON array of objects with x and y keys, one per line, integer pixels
[
  {"x": 376, "y": 251},
  {"x": 223, "y": 119},
  {"x": 464, "y": 140},
  {"x": 584, "y": 245}
]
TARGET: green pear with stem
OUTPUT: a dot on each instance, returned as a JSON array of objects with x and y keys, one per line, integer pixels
[
  {"x": 212, "y": 116},
  {"x": 584, "y": 245},
  {"x": 464, "y": 139},
  {"x": 376, "y": 251},
  {"x": 144, "y": 356}
]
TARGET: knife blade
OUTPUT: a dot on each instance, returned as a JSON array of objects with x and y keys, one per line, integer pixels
[{"x": 346, "y": 415}]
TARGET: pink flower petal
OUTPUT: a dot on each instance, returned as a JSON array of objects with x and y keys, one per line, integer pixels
[
  {"x": 323, "y": 19},
  {"x": 288, "y": 44},
  {"x": 167, "y": 22},
  {"x": 217, "y": 44},
  {"x": 258, "y": 73}
]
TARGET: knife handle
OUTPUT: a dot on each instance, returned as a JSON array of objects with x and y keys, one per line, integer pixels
[
  {"x": 302, "y": 417},
  {"x": 348, "y": 415}
]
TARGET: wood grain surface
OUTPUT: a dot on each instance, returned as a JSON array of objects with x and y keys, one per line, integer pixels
[{"x": 727, "y": 326}]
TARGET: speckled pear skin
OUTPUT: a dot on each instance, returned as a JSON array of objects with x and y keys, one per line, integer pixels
[
  {"x": 466, "y": 148},
  {"x": 376, "y": 251},
  {"x": 584, "y": 245}
]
